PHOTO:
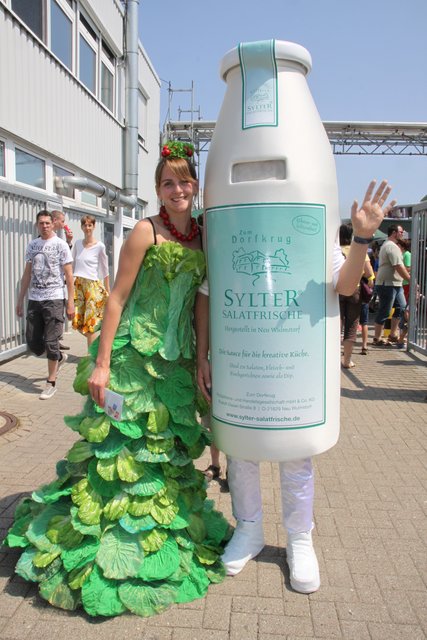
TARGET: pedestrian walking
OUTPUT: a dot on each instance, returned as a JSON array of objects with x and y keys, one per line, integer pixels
[{"x": 48, "y": 261}]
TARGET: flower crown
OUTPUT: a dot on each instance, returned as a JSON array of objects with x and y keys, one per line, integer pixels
[{"x": 177, "y": 149}]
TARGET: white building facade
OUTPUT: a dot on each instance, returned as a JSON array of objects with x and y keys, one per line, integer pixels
[{"x": 63, "y": 115}]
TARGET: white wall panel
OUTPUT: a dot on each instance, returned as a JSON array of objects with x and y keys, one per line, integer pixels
[
  {"x": 149, "y": 154},
  {"x": 45, "y": 105},
  {"x": 108, "y": 15}
]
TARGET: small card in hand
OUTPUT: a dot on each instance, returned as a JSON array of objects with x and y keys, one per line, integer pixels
[{"x": 113, "y": 405}]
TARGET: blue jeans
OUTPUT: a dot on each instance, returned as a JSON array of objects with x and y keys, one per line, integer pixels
[{"x": 389, "y": 297}]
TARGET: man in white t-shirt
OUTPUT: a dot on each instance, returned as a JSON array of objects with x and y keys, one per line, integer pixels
[{"x": 48, "y": 260}]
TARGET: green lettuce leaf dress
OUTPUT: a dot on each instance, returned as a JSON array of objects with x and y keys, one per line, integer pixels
[{"x": 126, "y": 525}]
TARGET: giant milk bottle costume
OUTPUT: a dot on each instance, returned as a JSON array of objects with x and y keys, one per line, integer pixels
[{"x": 271, "y": 221}]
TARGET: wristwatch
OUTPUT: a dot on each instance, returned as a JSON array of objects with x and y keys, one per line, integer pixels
[{"x": 360, "y": 240}]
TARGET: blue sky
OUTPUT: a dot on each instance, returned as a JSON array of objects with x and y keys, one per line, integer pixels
[{"x": 369, "y": 64}]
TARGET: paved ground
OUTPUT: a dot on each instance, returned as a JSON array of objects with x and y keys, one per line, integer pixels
[{"x": 370, "y": 520}]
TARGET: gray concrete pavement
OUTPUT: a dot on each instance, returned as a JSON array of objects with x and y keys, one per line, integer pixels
[{"x": 370, "y": 531}]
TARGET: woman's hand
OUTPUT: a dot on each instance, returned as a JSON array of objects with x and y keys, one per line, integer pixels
[
  {"x": 97, "y": 383},
  {"x": 204, "y": 378},
  {"x": 368, "y": 218}
]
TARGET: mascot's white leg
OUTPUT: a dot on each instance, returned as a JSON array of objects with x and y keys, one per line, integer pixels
[
  {"x": 297, "y": 481},
  {"x": 248, "y": 537}
]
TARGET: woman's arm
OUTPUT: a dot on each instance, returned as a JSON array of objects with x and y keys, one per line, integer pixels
[
  {"x": 365, "y": 221},
  {"x": 131, "y": 257}
]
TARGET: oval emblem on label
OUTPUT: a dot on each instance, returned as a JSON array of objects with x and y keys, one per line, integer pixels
[{"x": 306, "y": 225}]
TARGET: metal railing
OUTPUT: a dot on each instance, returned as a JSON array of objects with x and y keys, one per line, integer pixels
[{"x": 417, "y": 335}]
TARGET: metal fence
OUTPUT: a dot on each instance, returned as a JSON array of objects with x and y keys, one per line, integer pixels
[
  {"x": 17, "y": 216},
  {"x": 417, "y": 335}
]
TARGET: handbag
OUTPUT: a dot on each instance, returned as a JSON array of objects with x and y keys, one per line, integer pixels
[{"x": 366, "y": 290}]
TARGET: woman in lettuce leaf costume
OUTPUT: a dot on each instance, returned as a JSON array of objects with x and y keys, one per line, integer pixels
[{"x": 126, "y": 526}]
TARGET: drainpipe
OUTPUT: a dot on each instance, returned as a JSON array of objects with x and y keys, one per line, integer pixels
[
  {"x": 130, "y": 160},
  {"x": 131, "y": 109}
]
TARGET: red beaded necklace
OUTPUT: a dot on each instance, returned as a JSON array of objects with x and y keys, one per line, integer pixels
[{"x": 174, "y": 231}]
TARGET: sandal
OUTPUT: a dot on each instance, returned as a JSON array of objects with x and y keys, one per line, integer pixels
[
  {"x": 212, "y": 472},
  {"x": 349, "y": 366},
  {"x": 393, "y": 339},
  {"x": 364, "y": 351},
  {"x": 379, "y": 342}
]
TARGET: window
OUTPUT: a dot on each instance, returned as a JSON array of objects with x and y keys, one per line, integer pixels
[
  {"x": 2, "y": 173},
  {"x": 107, "y": 87},
  {"x": 142, "y": 117},
  {"x": 140, "y": 209},
  {"x": 87, "y": 66},
  {"x": 61, "y": 30},
  {"x": 30, "y": 12},
  {"x": 30, "y": 169},
  {"x": 89, "y": 198},
  {"x": 75, "y": 40},
  {"x": 58, "y": 173}
]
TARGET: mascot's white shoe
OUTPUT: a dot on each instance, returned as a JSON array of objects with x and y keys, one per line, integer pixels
[
  {"x": 302, "y": 561},
  {"x": 246, "y": 543}
]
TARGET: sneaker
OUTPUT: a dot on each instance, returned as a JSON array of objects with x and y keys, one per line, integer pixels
[
  {"x": 64, "y": 359},
  {"x": 48, "y": 391},
  {"x": 64, "y": 347},
  {"x": 246, "y": 543},
  {"x": 302, "y": 561}
]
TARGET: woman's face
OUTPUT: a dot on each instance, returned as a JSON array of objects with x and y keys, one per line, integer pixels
[
  {"x": 176, "y": 194},
  {"x": 88, "y": 227}
]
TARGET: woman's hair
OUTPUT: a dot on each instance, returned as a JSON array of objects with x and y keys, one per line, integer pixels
[
  {"x": 183, "y": 169},
  {"x": 346, "y": 233},
  {"x": 405, "y": 245},
  {"x": 87, "y": 218}
]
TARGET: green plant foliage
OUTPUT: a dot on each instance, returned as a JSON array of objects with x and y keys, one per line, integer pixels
[
  {"x": 140, "y": 506},
  {"x": 100, "y": 596},
  {"x": 80, "y": 451},
  {"x": 106, "y": 488},
  {"x": 143, "y": 454},
  {"x": 81, "y": 554},
  {"x": 84, "y": 370},
  {"x": 78, "y": 577},
  {"x": 127, "y": 371},
  {"x": 188, "y": 434},
  {"x": 128, "y": 467},
  {"x": 95, "y": 429},
  {"x": 161, "y": 564},
  {"x": 216, "y": 572},
  {"x": 61, "y": 531},
  {"x": 107, "y": 469},
  {"x": 56, "y": 591},
  {"x": 36, "y": 532},
  {"x": 43, "y": 558},
  {"x": 153, "y": 540},
  {"x": 26, "y": 568},
  {"x": 194, "y": 585},
  {"x": 145, "y": 600},
  {"x": 89, "y": 502},
  {"x": 158, "y": 419},
  {"x": 177, "y": 390},
  {"x": 133, "y": 430},
  {"x": 120, "y": 554},
  {"x": 117, "y": 506},
  {"x": 111, "y": 446},
  {"x": 134, "y": 524},
  {"x": 86, "y": 529},
  {"x": 216, "y": 525},
  {"x": 150, "y": 482},
  {"x": 126, "y": 525}
]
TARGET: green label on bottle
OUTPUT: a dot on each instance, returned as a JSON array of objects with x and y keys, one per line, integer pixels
[
  {"x": 267, "y": 287},
  {"x": 259, "y": 84}
]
